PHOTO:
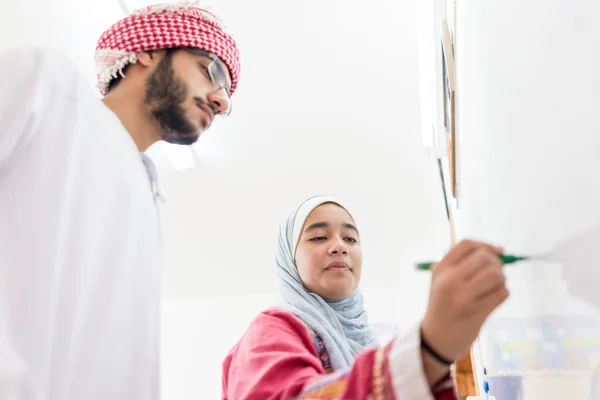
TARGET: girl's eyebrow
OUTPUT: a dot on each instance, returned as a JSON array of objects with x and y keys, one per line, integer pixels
[{"x": 323, "y": 224}]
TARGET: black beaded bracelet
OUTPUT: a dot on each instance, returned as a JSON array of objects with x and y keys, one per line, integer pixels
[{"x": 434, "y": 353}]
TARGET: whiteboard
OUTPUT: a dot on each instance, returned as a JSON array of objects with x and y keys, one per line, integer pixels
[{"x": 528, "y": 89}]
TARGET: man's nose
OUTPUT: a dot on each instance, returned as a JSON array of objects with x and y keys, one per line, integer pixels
[{"x": 220, "y": 101}]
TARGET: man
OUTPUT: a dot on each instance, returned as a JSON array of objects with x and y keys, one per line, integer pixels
[{"x": 80, "y": 248}]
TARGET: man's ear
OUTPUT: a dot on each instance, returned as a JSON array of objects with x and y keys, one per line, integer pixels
[{"x": 146, "y": 58}]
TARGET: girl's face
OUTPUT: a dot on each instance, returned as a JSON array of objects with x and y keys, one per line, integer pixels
[{"x": 328, "y": 255}]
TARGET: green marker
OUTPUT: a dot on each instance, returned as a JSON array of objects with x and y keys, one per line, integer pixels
[{"x": 505, "y": 258}]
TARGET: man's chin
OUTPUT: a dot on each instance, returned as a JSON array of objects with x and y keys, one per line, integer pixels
[{"x": 183, "y": 139}]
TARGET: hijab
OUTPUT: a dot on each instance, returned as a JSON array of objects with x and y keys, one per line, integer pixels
[{"x": 342, "y": 324}]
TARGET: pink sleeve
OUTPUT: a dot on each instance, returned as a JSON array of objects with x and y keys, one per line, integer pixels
[
  {"x": 276, "y": 359},
  {"x": 371, "y": 378},
  {"x": 273, "y": 360},
  {"x": 351, "y": 383}
]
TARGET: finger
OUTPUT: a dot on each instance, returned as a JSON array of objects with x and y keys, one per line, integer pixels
[
  {"x": 485, "y": 283},
  {"x": 492, "y": 300},
  {"x": 466, "y": 247},
  {"x": 478, "y": 262}
]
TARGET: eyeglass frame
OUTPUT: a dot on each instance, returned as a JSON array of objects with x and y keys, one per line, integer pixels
[{"x": 215, "y": 59}]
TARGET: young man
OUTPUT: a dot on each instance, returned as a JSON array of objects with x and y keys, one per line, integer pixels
[{"x": 80, "y": 248}]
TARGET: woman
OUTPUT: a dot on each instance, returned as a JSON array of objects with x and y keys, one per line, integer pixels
[{"x": 317, "y": 344}]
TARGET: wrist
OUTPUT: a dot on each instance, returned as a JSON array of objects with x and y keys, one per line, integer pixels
[
  {"x": 433, "y": 370},
  {"x": 432, "y": 347}
]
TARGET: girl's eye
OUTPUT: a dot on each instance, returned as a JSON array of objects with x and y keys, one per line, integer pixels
[
  {"x": 318, "y": 238},
  {"x": 351, "y": 239}
]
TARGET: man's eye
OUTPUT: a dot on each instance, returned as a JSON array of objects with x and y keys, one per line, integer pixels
[{"x": 205, "y": 71}]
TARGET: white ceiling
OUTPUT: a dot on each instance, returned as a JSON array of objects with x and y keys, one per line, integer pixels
[{"x": 328, "y": 103}]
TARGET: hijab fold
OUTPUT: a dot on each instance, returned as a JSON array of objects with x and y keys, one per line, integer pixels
[{"x": 342, "y": 324}]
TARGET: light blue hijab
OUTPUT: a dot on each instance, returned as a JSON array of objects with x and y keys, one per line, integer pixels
[{"x": 342, "y": 325}]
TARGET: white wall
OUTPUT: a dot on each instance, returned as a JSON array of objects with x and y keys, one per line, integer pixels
[
  {"x": 332, "y": 108},
  {"x": 529, "y": 139},
  {"x": 328, "y": 103}
]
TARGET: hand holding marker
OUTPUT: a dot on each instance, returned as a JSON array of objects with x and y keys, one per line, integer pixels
[{"x": 571, "y": 251}]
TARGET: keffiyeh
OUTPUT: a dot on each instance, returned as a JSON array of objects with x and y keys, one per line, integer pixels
[{"x": 163, "y": 26}]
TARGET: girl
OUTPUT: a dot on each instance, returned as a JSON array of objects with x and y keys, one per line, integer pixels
[{"x": 317, "y": 343}]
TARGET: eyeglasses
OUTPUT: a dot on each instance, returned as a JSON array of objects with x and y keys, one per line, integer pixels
[{"x": 218, "y": 75}]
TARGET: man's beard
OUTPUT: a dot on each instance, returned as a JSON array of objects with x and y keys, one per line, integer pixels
[{"x": 166, "y": 95}]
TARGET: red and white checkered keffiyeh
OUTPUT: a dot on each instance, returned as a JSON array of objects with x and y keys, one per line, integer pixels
[{"x": 161, "y": 27}]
